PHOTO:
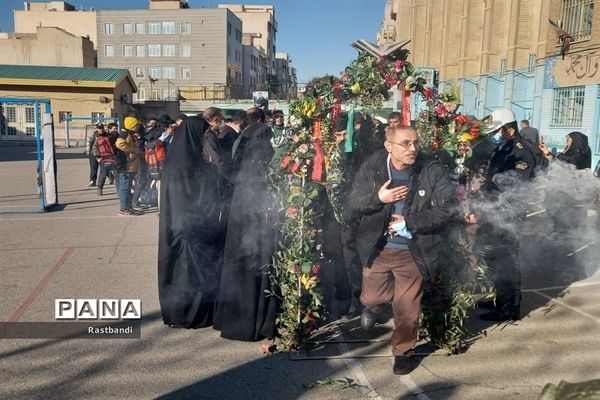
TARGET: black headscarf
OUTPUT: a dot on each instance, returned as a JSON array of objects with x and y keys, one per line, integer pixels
[{"x": 579, "y": 152}]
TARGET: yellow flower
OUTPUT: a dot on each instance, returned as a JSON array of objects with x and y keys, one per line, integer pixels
[
  {"x": 355, "y": 88},
  {"x": 465, "y": 137}
]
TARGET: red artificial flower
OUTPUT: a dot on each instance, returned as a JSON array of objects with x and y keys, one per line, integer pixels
[
  {"x": 316, "y": 269},
  {"x": 441, "y": 110},
  {"x": 291, "y": 212},
  {"x": 462, "y": 119},
  {"x": 435, "y": 145},
  {"x": 285, "y": 161},
  {"x": 398, "y": 64}
]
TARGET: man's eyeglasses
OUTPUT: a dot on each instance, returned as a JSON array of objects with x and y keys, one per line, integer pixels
[{"x": 406, "y": 143}]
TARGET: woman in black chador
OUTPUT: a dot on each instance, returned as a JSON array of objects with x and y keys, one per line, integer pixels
[
  {"x": 245, "y": 311},
  {"x": 190, "y": 244}
]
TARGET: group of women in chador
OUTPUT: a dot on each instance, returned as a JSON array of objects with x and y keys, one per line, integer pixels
[{"x": 216, "y": 232}]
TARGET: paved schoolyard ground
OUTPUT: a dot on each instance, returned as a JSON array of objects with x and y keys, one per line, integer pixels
[{"x": 85, "y": 250}]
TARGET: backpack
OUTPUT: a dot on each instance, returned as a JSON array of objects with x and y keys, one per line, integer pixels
[
  {"x": 104, "y": 149},
  {"x": 154, "y": 154}
]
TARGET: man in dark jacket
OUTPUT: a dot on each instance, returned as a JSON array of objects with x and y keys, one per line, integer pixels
[{"x": 402, "y": 200}]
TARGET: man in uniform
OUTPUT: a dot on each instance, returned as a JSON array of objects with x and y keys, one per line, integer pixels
[{"x": 513, "y": 155}]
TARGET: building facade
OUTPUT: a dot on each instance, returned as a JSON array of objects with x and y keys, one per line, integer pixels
[
  {"x": 286, "y": 86},
  {"x": 41, "y": 48},
  {"x": 56, "y": 14},
  {"x": 88, "y": 93},
  {"x": 259, "y": 21},
  {"x": 192, "y": 54},
  {"x": 506, "y": 54}
]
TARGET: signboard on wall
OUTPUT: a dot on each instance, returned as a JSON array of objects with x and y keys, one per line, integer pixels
[{"x": 577, "y": 69}]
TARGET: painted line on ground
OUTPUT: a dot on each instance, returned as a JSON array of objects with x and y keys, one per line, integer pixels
[
  {"x": 363, "y": 380},
  {"x": 39, "y": 287},
  {"x": 356, "y": 370},
  {"x": 574, "y": 285},
  {"x": 565, "y": 305}
]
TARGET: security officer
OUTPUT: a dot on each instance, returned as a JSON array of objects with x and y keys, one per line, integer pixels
[{"x": 512, "y": 153}]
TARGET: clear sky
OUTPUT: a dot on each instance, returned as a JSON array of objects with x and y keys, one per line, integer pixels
[{"x": 316, "y": 33}]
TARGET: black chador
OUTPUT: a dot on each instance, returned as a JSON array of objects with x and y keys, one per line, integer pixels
[
  {"x": 190, "y": 244},
  {"x": 245, "y": 311}
]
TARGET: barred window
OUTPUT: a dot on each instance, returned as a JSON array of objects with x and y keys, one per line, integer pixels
[
  {"x": 29, "y": 115},
  {"x": 576, "y": 17},
  {"x": 567, "y": 106},
  {"x": 97, "y": 117}
]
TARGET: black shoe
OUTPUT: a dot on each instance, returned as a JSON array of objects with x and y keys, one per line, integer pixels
[
  {"x": 111, "y": 181},
  {"x": 502, "y": 314},
  {"x": 368, "y": 318},
  {"x": 99, "y": 191},
  {"x": 404, "y": 365}
]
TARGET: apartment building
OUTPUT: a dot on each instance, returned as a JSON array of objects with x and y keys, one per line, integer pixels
[
  {"x": 174, "y": 53},
  {"x": 259, "y": 21},
  {"x": 287, "y": 86}
]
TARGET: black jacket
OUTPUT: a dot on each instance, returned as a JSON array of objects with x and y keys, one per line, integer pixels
[{"x": 427, "y": 210}]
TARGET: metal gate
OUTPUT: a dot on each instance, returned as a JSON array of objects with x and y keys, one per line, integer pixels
[{"x": 23, "y": 118}]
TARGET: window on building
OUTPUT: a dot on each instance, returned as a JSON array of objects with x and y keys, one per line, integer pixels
[
  {"x": 156, "y": 94},
  {"x": 127, "y": 50},
  {"x": 228, "y": 51},
  {"x": 238, "y": 35},
  {"x": 11, "y": 114},
  {"x": 97, "y": 117},
  {"x": 109, "y": 50},
  {"x": 186, "y": 50},
  {"x": 576, "y": 17},
  {"x": 29, "y": 115},
  {"x": 186, "y": 28},
  {"x": 11, "y": 130},
  {"x": 186, "y": 72},
  {"x": 30, "y": 131},
  {"x": 108, "y": 28},
  {"x": 154, "y": 28},
  {"x": 229, "y": 29},
  {"x": 140, "y": 72},
  {"x": 140, "y": 50},
  {"x": 532, "y": 62},
  {"x": 154, "y": 50},
  {"x": 139, "y": 28},
  {"x": 567, "y": 106},
  {"x": 168, "y": 50},
  {"x": 154, "y": 72},
  {"x": 62, "y": 115},
  {"x": 140, "y": 95},
  {"x": 503, "y": 66},
  {"x": 127, "y": 28},
  {"x": 168, "y": 28},
  {"x": 168, "y": 72}
]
